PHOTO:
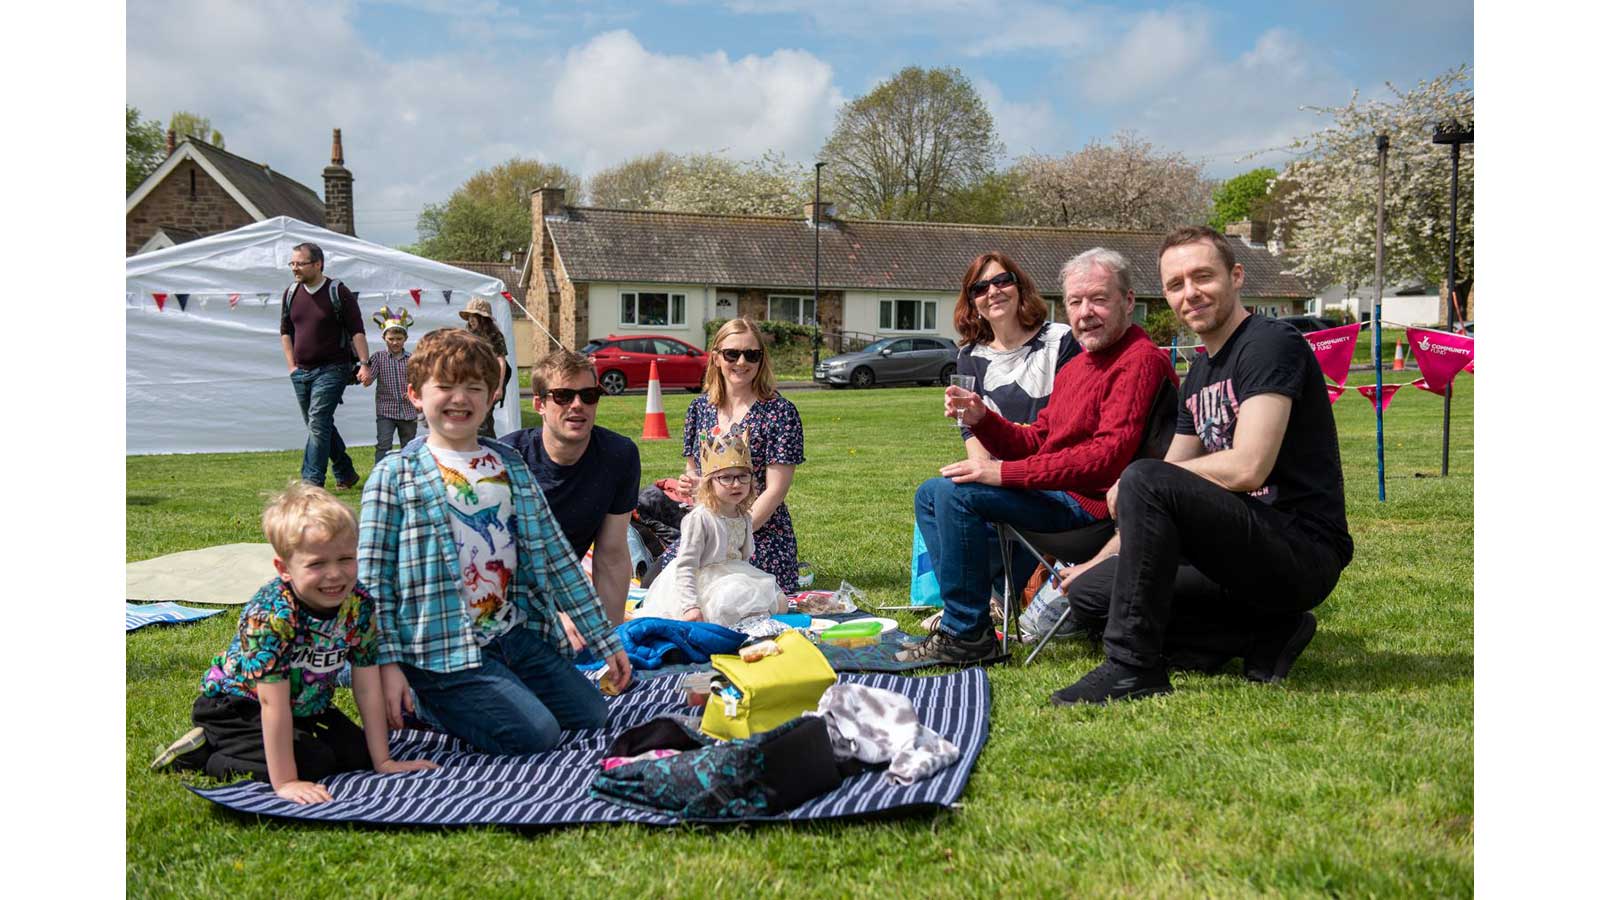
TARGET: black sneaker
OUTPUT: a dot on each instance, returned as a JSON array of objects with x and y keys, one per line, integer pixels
[
  {"x": 1271, "y": 658},
  {"x": 1112, "y": 680},
  {"x": 192, "y": 740},
  {"x": 943, "y": 648}
]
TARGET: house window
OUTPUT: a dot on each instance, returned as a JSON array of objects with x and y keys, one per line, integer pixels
[
  {"x": 908, "y": 315},
  {"x": 790, "y": 308},
  {"x": 655, "y": 310},
  {"x": 1140, "y": 310}
]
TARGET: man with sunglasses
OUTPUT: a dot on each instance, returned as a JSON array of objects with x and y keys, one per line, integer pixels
[{"x": 589, "y": 475}]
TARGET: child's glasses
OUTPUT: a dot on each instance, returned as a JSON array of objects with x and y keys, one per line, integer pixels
[
  {"x": 731, "y": 480},
  {"x": 563, "y": 396}
]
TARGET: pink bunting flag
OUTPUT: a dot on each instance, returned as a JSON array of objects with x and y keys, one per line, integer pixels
[
  {"x": 416, "y": 294},
  {"x": 1439, "y": 355},
  {"x": 1422, "y": 384},
  {"x": 1334, "y": 348},
  {"x": 1335, "y": 391},
  {"x": 1468, "y": 367},
  {"x": 161, "y": 301},
  {"x": 233, "y": 300},
  {"x": 509, "y": 299},
  {"x": 1370, "y": 391}
]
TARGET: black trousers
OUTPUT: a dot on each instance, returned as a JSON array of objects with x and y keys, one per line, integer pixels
[
  {"x": 324, "y": 744},
  {"x": 1202, "y": 572}
]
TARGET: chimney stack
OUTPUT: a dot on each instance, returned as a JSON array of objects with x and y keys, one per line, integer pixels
[
  {"x": 338, "y": 198},
  {"x": 823, "y": 217},
  {"x": 172, "y": 141}
]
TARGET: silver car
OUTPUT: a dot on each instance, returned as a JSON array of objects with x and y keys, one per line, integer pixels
[{"x": 923, "y": 360}]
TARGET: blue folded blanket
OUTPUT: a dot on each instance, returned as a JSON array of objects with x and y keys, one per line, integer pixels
[
  {"x": 138, "y": 615},
  {"x": 652, "y": 643}
]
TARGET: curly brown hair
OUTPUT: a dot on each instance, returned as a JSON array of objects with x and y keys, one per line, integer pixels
[{"x": 973, "y": 328}]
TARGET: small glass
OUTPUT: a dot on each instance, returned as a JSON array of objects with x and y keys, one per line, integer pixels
[{"x": 967, "y": 382}]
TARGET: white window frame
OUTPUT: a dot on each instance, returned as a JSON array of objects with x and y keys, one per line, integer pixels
[
  {"x": 1141, "y": 311},
  {"x": 677, "y": 309},
  {"x": 802, "y": 301},
  {"x": 927, "y": 316}
]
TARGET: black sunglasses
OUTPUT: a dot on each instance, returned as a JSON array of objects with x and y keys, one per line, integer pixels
[
  {"x": 563, "y": 396},
  {"x": 753, "y": 356},
  {"x": 979, "y": 288}
]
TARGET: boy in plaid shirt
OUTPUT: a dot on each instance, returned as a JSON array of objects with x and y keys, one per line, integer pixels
[
  {"x": 395, "y": 412},
  {"x": 469, "y": 573}
]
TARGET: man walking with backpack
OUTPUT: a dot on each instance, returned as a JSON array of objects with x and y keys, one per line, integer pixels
[{"x": 325, "y": 347}]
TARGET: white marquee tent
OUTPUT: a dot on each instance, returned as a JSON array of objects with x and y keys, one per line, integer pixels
[{"x": 212, "y": 378}]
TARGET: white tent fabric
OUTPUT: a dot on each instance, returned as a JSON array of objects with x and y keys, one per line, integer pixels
[{"x": 213, "y": 379}]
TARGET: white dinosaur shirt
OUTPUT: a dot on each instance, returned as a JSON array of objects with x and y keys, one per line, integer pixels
[{"x": 478, "y": 490}]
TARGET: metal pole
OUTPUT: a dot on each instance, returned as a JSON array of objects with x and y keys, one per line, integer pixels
[
  {"x": 1454, "y": 134},
  {"x": 816, "y": 270},
  {"x": 1377, "y": 309},
  {"x": 1450, "y": 296}
]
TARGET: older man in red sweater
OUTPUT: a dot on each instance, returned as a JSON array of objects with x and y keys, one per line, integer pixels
[{"x": 1049, "y": 476}]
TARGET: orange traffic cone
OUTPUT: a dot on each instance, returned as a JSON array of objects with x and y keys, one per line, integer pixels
[
  {"x": 655, "y": 418},
  {"x": 1399, "y": 354}
]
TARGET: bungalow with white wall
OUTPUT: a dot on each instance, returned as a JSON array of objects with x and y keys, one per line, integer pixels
[{"x": 592, "y": 272}]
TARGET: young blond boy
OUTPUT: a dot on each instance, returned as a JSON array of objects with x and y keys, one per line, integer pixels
[
  {"x": 266, "y": 705},
  {"x": 470, "y": 572}
]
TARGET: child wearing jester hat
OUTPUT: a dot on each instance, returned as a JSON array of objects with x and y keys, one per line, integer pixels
[
  {"x": 395, "y": 412},
  {"x": 711, "y": 579}
]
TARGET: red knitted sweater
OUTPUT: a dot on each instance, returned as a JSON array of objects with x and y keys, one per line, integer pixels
[{"x": 1090, "y": 430}]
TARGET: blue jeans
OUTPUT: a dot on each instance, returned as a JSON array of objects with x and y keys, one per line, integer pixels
[
  {"x": 320, "y": 391},
  {"x": 518, "y": 701},
  {"x": 954, "y": 521}
]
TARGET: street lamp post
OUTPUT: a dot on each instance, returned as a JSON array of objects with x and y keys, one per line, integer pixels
[
  {"x": 816, "y": 272},
  {"x": 1455, "y": 134},
  {"x": 1377, "y": 307}
]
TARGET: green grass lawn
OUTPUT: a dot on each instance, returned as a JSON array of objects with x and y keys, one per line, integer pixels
[{"x": 1355, "y": 777}]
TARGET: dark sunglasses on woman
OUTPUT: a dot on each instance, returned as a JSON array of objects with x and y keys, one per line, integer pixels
[
  {"x": 753, "y": 356},
  {"x": 1000, "y": 280},
  {"x": 563, "y": 396}
]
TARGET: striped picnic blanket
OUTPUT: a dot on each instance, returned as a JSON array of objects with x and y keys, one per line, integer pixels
[
  {"x": 138, "y": 615},
  {"x": 551, "y": 788}
]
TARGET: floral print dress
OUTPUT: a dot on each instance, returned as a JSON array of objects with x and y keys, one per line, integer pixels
[{"x": 772, "y": 428}]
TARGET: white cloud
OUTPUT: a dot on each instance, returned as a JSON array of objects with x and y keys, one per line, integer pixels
[
  {"x": 615, "y": 99},
  {"x": 417, "y": 125}
]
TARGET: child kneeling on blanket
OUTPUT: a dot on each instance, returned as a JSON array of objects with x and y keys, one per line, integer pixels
[
  {"x": 266, "y": 705},
  {"x": 469, "y": 572}
]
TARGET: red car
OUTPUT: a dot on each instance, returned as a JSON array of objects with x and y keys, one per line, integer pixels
[{"x": 623, "y": 361}]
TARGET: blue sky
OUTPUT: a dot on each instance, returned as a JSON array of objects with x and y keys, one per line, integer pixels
[{"x": 429, "y": 91}]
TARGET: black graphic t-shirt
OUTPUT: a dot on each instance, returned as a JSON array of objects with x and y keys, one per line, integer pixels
[{"x": 1266, "y": 356}]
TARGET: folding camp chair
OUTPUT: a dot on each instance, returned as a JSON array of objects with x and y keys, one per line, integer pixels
[{"x": 1078, "y": 545}]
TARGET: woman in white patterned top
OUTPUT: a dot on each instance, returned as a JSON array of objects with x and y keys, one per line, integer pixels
[{"x": 1007, "y": 345}]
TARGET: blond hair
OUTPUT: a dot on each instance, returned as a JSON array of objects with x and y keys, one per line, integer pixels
[
  {"x": 303, "y": 507},
  {"x": 716, "y": 387},
  {"x": 706, "y": 495},
  {"x": 559, "y": 365}
]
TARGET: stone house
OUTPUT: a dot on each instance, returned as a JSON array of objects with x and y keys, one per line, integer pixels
[
  {"x": 200, "y": 190},
  {"x": 592, "y": 272}
]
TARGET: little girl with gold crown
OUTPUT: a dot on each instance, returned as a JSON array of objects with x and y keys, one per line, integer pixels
[{"x": 711, "y": 579}]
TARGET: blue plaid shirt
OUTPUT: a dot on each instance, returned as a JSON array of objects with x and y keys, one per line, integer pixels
[{"x": 408, "y": 561}]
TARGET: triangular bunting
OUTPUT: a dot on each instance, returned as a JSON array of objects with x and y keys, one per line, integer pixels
[
  {"x": 1422, "y": 384},
  {"x": 161, "y": 301},
  {"x": 447, "y": 294},
  {"x": 509, "y": 299},
  {"x": 233, "y": 300},
  {"x": 183, "y": 301},
  {"x": 1370, "y": 391},
  {"x": 1335, "y": 391},
  {"x": 1440, "y": 355},
  {"x": 263, "y": 298},
  {"x": 1334, "y": 348},
  {"x": 416, "y": 294}
]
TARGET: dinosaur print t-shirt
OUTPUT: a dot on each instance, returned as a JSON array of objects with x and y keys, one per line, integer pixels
[
  {"x": 281, "y": 639},
  {"x": 482, "y": 516}
]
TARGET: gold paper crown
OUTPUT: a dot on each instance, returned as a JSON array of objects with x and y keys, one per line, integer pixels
[{"x": 723, "y": 451}]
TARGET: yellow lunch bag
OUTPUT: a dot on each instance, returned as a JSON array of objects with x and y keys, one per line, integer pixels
[{"x": 768, "y": 692}]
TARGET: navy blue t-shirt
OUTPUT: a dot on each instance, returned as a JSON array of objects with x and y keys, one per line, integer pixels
[{"x": 604, "y": 481}]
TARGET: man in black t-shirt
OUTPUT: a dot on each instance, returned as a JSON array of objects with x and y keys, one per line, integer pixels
[
  {"x": 589, "y": 475},
  {"x": 1224, "y": 546},
  {"x": 318, "y": 345}
]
